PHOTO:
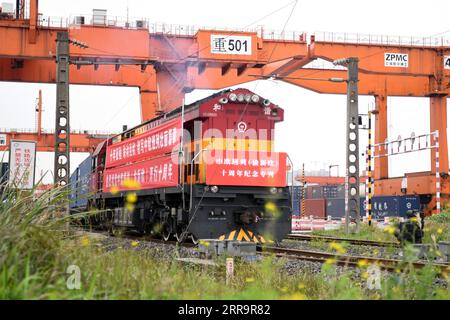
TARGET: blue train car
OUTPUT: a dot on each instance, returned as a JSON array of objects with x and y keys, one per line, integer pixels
[{"x": 80, "y": 185}]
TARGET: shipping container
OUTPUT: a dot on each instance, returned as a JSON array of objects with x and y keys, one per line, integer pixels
[
  {"x": 382, "y": 206},
  {"x": 4, "y": 166},
  {"x": 394, "y": 206},
  {"x": 317, "y": 192},
  {"x": 296, "y": 199},
  {"x": 336, "y": 207},
  {"x": 80, "y": 184},
  {"x": 315, "y": 208},
  {"x": 330, "y": 191}
]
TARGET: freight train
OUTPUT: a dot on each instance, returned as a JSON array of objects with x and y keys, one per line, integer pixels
[{"x": 205, "y": 171}]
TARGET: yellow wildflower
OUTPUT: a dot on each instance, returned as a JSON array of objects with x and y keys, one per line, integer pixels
[
  {"x": 250, "y": 279},
  {"x": 365, "y": 275},
  {"x": 295, "y": 296},
  {"x": 134, "y": 243},
  {"x": 337, "y": 246},
  {"x": 85, "y": 241},
  {"x": 301, "y": 286},
  {"x": 363, "y": 263},
  {"x": 376, "y": 252},
  {"x": 330, "y": 261},
  {"x": 204, "y": 243},
  {"x": 270, "y": 206},
  {"x": 131, "y": 184},
  {"x": 390, "y": 229},
  {"x": 398, "y": 270},
  {"x": 129, "y": 207},
  {"x": 131, "y": 197},
  {"x": 439, "y": 231},
  {"x": 114, "y": 190}
]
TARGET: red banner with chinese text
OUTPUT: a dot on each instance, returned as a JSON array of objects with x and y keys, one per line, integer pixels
[
  {"x": 246, "y": 169},
  {"x": 156, "y": 141},
  {"x": 153, "y": 173}
]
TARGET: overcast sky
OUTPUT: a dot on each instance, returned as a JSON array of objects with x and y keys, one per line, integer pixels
[{"x": 314, "y": 128}]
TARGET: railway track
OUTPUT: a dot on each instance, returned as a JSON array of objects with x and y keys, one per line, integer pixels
[
  {"x": 344, "y": 260},
  {"x": 297, "y": 254},
  {"x": 304, "y": 237}
]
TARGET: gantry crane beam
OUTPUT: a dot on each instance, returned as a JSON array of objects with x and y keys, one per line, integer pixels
[
  {"x": 79, "y": 142},
  {"x": 163, "y": 63}
]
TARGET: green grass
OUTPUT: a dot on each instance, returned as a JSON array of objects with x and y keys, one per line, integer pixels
[
  {"x": 437, "y": 227},
  {"x": 38, "y": 247}
]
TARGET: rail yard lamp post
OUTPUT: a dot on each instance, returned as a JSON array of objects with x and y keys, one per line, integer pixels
[
  {"x": 62, "y": 123},
  {"x": 352, "y": 200},
  {"x": 332, "y": 166}
]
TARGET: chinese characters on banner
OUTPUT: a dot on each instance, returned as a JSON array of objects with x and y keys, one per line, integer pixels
[
  {"x": 157, "y": 141},
  {"x": 22, "y": 155},
  {"x": 154, "y": 173},
  {"x": 249, "y": 168}
]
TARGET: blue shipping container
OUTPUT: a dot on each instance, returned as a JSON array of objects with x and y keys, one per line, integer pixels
[
  {"x": 382, "y": 206},
  {"x": 394, "y": 206},
  {"x": 80, "y": 183}
]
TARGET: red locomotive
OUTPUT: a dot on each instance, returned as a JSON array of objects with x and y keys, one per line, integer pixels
[{"x": 206, "y": 170}]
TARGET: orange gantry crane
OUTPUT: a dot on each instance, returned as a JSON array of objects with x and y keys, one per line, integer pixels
[
  {"x": 81, "y": 141},
  {"x": 167, "y": 61}
]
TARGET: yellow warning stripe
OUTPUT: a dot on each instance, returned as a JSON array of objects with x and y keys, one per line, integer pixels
[
  {"x": 231, "y": 235},
  {"x": 243, "y": 235}
]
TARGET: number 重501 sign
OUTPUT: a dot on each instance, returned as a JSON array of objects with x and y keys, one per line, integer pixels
[{"x": 228, "y": 44}]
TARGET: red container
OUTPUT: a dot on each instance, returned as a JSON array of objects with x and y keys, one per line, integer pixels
[{"x": 315, "y": 208}]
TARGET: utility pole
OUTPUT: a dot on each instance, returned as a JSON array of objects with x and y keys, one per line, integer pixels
[
  {"x": 39, "y": 114},
  {"x": 62, "y": 127},
  {"x": 352, "y": 200}
]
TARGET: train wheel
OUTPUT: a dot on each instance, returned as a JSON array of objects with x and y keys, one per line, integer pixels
[
  {"x": 179, "y": 237},
  {"x": 166, "y": 232},
  {"x": 194, "y": 239}
]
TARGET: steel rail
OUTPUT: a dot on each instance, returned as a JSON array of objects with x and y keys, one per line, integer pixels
[
  {"x": 374, "y": 243},
  {"x": 346, "y": 260}
]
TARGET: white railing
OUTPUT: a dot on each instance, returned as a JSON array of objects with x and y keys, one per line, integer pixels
[
  {"x": 75, "y": 21},
  {"x": 381, "y": 39},
  {"x": 52, "y": 131}
]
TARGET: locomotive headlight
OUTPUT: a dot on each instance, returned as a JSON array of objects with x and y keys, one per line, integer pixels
[
  {"x": 232, "y": 96},
  {"x": 273, "y": 190},
  {"x": 255, "y": 98},
  {"x": 248, "y": 98},
  {"x": 240, "y": 97},
  {"x": 214, "y": 189},
  {"x": 266, "y": 102},
  {"x": 223, "y": 100}
]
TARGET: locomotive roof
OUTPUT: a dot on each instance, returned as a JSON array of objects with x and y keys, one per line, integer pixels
[{"x": 175, "y": 112}]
